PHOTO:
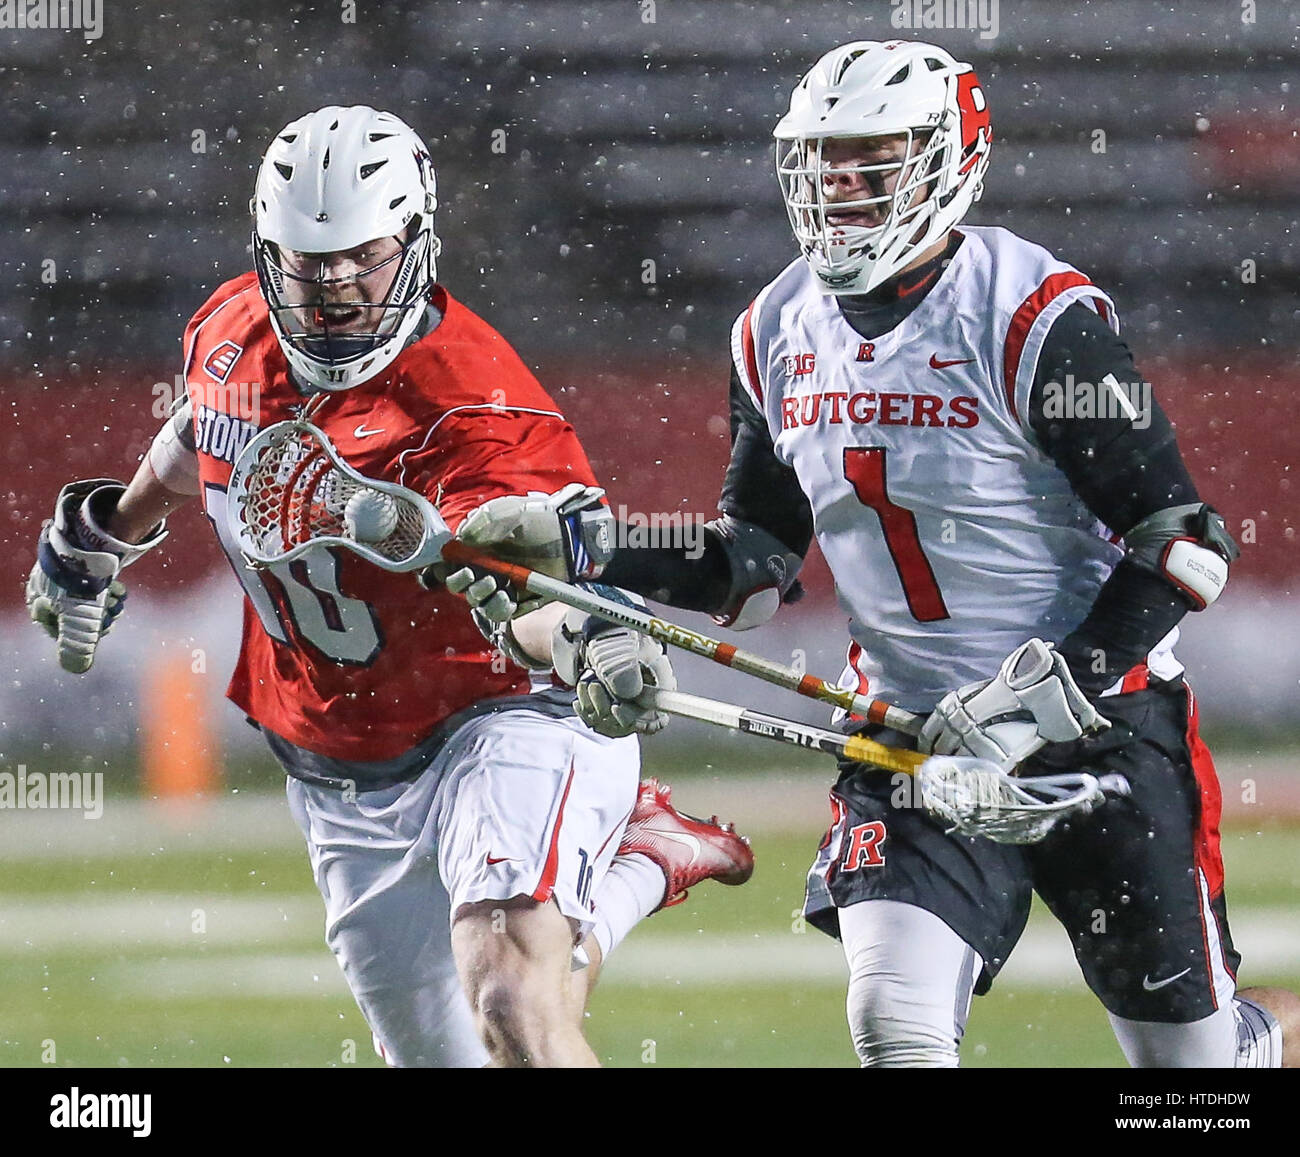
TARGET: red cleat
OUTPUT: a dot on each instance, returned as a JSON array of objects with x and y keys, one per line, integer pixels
[{"x": 688, "y": 850}]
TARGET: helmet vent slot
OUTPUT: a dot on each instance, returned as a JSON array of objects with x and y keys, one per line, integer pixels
[
  {"x": 371, "y": 138},
  {"x": 325, "y": 161},
  {"x": 286, "y": 171},
  {"x": 932, "y": 64},
  {"x": 372, "y": 168},
  {"x": 396, "y": 201},
  {"x": 900, "y": 76},
  {"x": 845, "y": 65},
  {"x": 288, "y": 138}
]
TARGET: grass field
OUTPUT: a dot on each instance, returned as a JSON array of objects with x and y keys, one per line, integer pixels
[{"x": 196, "y": 941}]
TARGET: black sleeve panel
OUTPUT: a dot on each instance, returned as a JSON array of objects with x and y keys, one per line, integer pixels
[
  {"x": 668, "y": 575},
  {"x": 1123, "y": 468},
  {"x": 759, "y": 488}
]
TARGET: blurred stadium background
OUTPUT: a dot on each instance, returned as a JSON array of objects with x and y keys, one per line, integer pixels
[{"x": 608, "y": 204}]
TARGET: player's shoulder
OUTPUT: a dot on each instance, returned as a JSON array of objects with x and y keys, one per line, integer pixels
[
  {"x": 239, "y": 298},
  {"x": 1011, "y": 265},
  {"x": 794, "y": 282},
  {"x": 464, "y": 363},
  {"x": 234, "y": 316}
]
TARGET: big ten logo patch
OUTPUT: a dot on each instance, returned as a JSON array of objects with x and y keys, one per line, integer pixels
[
  {"x": 799, "y": 365},
  {"x": 865, "y": 847}
]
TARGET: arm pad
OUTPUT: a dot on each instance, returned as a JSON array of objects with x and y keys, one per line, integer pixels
[
  {"x": 1189, "y": 547},
  {"x": 763, "y": 573},
  {"x": 173, "y": 460}
]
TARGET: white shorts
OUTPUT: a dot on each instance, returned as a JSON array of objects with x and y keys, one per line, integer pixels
[{"x": 513, "y": 804}]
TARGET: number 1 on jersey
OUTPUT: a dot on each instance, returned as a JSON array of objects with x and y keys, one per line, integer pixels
[{"x": 865, "y": 470}]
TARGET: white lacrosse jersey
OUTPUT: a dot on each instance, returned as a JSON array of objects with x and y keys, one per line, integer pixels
[{"x": 951, "y": 535}]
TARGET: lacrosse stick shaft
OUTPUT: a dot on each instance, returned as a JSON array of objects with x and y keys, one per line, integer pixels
[
  {"x": 873, "y": 710},
  {"x": 1017, "y": 818},
  {"x": 856, "y": 748}
]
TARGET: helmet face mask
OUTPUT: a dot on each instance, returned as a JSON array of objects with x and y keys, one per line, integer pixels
[
  {"x": 883, "y": 151},
  {"x": 343, "y": 245},
  {"x": 338, "y": 321},
  {"x": 883, "y": 222}
]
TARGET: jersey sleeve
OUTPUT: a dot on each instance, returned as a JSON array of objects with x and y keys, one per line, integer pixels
[
  {"x": 758, "y": 487},
  {"x": 1124, "y": 463},
  {"x": 482, "y": 454},
  {"x": 1121, "y": 459}
]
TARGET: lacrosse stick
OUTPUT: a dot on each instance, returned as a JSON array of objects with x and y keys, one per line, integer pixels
[
  {"x": 973, "y": 796},
  {"x": 290, "y": 491},
  {"x": 675, "y": 635}
]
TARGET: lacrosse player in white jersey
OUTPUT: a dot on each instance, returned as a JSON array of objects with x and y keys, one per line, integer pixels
[{"x": 1014, "y": 565}]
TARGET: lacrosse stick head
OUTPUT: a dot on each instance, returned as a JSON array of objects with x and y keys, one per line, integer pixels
[
  {"x": 290, "y": 491},
  {"x": 977, "y": 798}
]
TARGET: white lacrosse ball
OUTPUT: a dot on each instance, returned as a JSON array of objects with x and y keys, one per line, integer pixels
[{"x": 370, "y": 515}]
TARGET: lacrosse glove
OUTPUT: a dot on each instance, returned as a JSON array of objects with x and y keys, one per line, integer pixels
[{"x": 73, "y": 591}]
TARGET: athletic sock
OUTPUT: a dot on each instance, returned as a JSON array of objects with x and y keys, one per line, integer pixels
[
  {"x": 633, "y": 887},
  {"x": 1259, "y": 1036}
]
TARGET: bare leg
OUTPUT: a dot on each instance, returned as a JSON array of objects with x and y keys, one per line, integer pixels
[
  {"x": 1285, "y": 1006},
  {"x": 583, "y": 980},
  {"x": 514, "y": 958}
]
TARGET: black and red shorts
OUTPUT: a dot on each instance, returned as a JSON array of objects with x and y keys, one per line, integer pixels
[{"x": 1138, "y": 885}]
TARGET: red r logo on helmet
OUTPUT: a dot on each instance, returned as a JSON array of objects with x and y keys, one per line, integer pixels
[{"x": 975, "y": 121}]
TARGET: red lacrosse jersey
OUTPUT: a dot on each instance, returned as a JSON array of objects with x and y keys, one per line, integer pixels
[{"x": 339, "y": 656}]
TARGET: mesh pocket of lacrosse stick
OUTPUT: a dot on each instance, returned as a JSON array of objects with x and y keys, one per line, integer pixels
[
  {"x": 290, "y": 491},
  {"x": 977, "y": 799}
]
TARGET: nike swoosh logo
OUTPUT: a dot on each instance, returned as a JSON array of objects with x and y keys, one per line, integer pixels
[
  {"x": 1150, "y": 986},
  {"x": 911, "y": 289},
  {"x": 686, "y": 840},
  {"x": 362, "y": 432},
  {"x": 936, "y": 364},
  {"x": 501, "y": 859}
]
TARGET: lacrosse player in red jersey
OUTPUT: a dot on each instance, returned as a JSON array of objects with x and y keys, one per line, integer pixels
[
  {"x": 897, "y": 393},
  {"x": 480, "y": 850}
]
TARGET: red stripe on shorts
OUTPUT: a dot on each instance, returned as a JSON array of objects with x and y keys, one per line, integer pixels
[
  {"x": 546, "y": 886},
  {"x": 1135, "y": 679},
  {"x": 1209, "y": 854}
]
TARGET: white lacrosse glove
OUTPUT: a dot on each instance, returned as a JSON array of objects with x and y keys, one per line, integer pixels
[
  {"x": 1033, "y": 701},
  {"x": 567, "y": 535},
  {"x": 610, "y": 666},
  {"x": 491, "y": 608},
  {"x": 73, "y": 591}
]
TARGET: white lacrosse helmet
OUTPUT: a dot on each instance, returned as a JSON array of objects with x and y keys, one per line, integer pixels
[
  {"x": 333, "y": 181},
  {"x": 869, "y": 89}
]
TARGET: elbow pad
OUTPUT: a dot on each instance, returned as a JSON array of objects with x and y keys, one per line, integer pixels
[
  {"x": 1189, "y": 547},
  {"x": 763, "y": 573},
  {"x": 173, "y": 461}
]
